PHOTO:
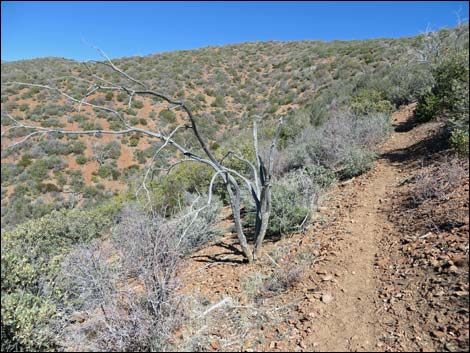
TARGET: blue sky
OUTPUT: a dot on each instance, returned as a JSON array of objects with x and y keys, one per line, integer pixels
[{"x": 63, "y": 29}]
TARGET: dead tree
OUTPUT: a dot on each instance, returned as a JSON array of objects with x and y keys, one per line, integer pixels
[{"x": 258, "y": 184}]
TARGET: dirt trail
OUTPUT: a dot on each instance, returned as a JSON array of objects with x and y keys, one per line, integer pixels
[{"x": 350, "y": 321}]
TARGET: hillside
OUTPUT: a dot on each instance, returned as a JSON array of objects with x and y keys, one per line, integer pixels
[
  {"x": 135, "y": 203},
  {"x": 225, "y": 86}
]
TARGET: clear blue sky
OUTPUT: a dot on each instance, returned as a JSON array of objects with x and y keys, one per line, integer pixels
[{"x": 39, "y": 29}]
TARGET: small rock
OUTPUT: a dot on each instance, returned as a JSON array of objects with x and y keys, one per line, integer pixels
[
  {"x": 215, "y": 345},
  {"x": 382, "y": 263},
  {"x": 327, "y": 278},
  {"x": 78, "y": 317},
  {"x": 327, "y": 298},
  {"x": 437, "y": 334}
]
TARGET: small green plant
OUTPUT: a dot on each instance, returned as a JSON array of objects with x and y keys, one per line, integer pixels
[
  {"x": 168, "y": 116},
  {"x": 81, "y": 159}
]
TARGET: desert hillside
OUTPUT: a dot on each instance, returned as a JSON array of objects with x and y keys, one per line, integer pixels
[
  {"x": 265, "y": 196},
  {"x": 224, "y": 86}
]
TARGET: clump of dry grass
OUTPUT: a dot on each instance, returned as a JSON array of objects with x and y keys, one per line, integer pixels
[{"x": 439, "y": 182}]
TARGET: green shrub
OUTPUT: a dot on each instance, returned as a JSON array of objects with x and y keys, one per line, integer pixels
[
  {"x": 108, "y": 170},
  {"x": 459, "y": 141},
  {"x": 356, "y": 161},
  {"x": 293, "y": 199},
  {"x": 81, "y": 159},
  {"x": 168, "y": 116},
  {"x": 134, "y": 141},
  {"x": 25, "y": 161},
  {"x": 427, "y": 108},
  {"x": 48, "y": 187},
  {"x": 31, "y": 257},
  {"x": 219, "y": 102},
  {"x": 367, "y": 102},
  {"x": 109, "y": 96},
  {"x": 77, "y": 147},
  {"x": 137, "y": 104},
  {"x": 449, "y": 95},
  {"x": 345, "y": 144}
]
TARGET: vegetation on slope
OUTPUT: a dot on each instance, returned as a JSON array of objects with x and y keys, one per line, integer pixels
[{"x": 336, "y": 98}]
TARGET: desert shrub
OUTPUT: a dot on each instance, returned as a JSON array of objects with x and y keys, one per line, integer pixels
[
  {"x": 198, "y": 228},
  {"x": 167, "y": 116},
  {"x": 219, "y": 102},
  {"x": 439, "y": 183},
  {"x": 38, "y": 170},
  {"x": 131, "y": 111},
  {"x": 77, "y": 147},
  {"x": 9, "y": 171},
  {"x": 200, "y": 97},
  {"x": 282, "y": 279},
  {"x": 449, "y": 99},
  {"x": 258, "y": 286},
  {"x": 293, "y": 199},
  {"x": 134, "y": 140},
  {"x": 24, "y": 107},
  {"x": 81, "y": 159},
  {"x": 31, "y": 257},
  {"x": 356, "y": 161},
  {"x": 48, "y": 187},
  {"x": 427, "y": 108},
  {"x": 459, "y": 141},
  {"x": 76, "y": 179},
  {"x": 345, "y": 144},
  {"x": 294, "y": 124},
  {"x": 168, "y": 191},
  {"x": 109, "y": 96},
  {"x": 406, "y": 83},
  {"x": 52, "y": 122},
  {"x": 137, "y": 104},
  {"x": 25, "y": 161},
  {"x": 110, "y": 150},
  {"x": 367, "y": 102},
  {"x": 55, "y": 163},
  {"x": 108, "y": 170},
  {"x": 449, "y": 95},
  {"x": 137, "y": 290}
]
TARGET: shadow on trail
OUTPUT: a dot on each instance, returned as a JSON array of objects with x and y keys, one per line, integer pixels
[
  {"x": 420, "y": 152},
  {"x": 222, "y": 257},
  {"x": 407, "y": 125}
]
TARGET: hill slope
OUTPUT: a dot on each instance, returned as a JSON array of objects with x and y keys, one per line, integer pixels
[{"x": 225, "y": 86}]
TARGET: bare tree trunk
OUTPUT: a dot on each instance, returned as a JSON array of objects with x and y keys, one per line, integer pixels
[
  {"x": 235, "y": 204},
  {"x": 263, "y": 214}
]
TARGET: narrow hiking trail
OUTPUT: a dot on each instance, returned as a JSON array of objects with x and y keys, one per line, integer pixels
[
  {"x": 337, "y": 304},
  {"x": 350, "y": 322}
]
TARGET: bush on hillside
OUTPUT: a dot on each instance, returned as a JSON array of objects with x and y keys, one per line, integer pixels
[
  {"x": 31, "y": 257},
  {"x": 294, "y": 197},
  {"x": 449, "y": 99},
  {"x": 345, "y": 144}
]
